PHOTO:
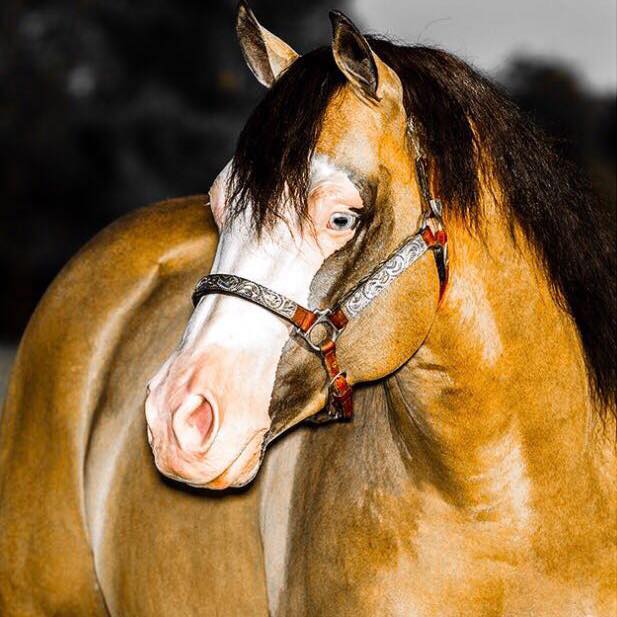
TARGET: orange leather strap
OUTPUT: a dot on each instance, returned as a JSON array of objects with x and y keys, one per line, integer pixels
[
  {"x": 340, "y": 389},
  {"x": 437, "y": 241}
]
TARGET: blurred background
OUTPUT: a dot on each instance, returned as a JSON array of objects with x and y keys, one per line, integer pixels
[{"x": 107, "y": 105}]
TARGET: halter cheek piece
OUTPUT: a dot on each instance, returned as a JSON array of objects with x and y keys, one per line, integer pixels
[{"x": 320, "y": 328}]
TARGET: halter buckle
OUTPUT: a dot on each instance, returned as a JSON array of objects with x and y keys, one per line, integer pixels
[{"x": 323, "y": 321}]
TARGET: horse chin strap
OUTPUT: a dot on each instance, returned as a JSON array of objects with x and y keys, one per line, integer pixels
[{"x": 320, "y": 328}]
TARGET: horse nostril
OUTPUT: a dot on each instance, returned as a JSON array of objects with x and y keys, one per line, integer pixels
[{"x": 193, "y": 423}]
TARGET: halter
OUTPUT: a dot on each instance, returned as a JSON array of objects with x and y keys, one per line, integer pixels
[{"x": 320, "y": 328}]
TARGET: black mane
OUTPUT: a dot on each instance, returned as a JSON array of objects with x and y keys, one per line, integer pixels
[{"x": 470, "y": 131}]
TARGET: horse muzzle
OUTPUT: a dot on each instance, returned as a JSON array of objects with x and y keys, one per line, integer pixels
[{"x": 198, "y": 439}]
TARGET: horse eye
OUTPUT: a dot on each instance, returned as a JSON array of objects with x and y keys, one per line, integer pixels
[{"x": 342, "y": 221}]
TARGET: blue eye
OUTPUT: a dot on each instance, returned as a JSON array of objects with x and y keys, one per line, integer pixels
[{"x": 342, "y": 221}]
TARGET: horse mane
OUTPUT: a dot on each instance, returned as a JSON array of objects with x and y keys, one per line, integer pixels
[{"x": 470, "y": 131}]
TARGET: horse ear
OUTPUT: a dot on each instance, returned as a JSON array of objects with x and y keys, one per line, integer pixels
[
  {"x": 357, "y": 61},
  {"x": 266, "y": 55}
]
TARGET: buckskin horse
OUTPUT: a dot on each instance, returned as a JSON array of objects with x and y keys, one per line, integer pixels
[{"x": 389, "y": 223}]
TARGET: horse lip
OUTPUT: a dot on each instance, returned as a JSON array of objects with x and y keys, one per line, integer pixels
[
  {"x": 206, "y": 485},
  {"x": 240, "y": 454}
]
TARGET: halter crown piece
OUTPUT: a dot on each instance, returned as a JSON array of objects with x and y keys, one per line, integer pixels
[{"x": 320, "y": 328}]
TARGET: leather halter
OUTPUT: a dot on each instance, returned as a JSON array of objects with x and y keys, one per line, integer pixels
[{"x": 320, "y": 328}]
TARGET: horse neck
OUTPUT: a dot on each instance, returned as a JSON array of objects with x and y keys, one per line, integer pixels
[{"x": 498, "y": 394}]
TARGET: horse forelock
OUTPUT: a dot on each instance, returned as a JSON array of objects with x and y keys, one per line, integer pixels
[{"x": 271, "y": 168}]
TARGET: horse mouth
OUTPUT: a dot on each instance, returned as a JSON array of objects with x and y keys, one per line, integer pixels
[
  {"x": 244, "y": 468},
  {"x": 240, "y": 472}
]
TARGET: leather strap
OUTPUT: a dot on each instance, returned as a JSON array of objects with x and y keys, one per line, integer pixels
[
  {"x": 233, "y": 285},
  {"x": 384, "y": 275},
  {"x": 438, "y": 242},
  {"x": 340, "y": 390}
]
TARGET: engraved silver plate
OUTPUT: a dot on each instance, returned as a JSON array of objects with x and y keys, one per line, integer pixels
[
  {"x": 355, "y": 302},
  {"x": 370, "y": 287},
  {"x": 254, "y": 292}
]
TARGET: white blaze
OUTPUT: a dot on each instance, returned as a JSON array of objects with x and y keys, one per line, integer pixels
[{"x": 231, "y": 346}]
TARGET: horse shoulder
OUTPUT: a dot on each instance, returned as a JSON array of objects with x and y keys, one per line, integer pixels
[{"x": 58, "y": 383}]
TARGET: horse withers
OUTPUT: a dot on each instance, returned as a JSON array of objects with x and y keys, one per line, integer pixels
[{"x": 477, "y": 474}]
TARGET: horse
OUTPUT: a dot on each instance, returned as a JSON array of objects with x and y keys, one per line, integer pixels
[{"x": 392, "y": 226}]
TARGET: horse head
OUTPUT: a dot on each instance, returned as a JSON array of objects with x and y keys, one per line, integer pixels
[{"x": 322, "y": 189}]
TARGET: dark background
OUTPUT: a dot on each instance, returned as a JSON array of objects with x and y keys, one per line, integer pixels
[{"x": 108, "y": 105}]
